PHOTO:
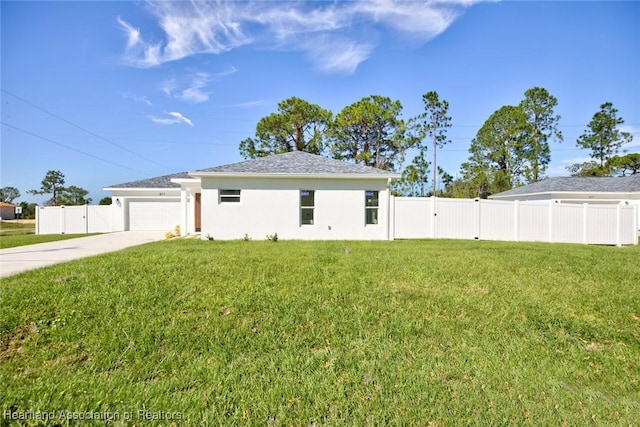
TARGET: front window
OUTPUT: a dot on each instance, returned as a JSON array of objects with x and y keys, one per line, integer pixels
[
  {"x": 371, "y": 207},
  {"x": 306, "y": 207},
  {"x": 229, "y": 196}
]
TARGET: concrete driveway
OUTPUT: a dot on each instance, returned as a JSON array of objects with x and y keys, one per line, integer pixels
[{"x": 23, "y": 258}]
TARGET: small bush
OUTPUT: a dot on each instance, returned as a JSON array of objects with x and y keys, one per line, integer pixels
[
  {"x": 246, "y": 237},
  {"x": 171, "y": 235},
  {"x": 272, "y": 237}
]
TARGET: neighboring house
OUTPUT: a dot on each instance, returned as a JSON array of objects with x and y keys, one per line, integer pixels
[
  {"x": 296, "y": 195},
  {"x": 7, "y": 211},
  {"x": 579, "y": 190}
]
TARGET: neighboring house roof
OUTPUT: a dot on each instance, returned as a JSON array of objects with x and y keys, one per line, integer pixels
[
  {"x": 6, "y": 205},
  {"x": 627, "y": 184},
  {"x": 292, "y": 163}
]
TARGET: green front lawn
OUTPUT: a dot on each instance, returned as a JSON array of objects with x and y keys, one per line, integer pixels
[
  {"x": 13, "y": 234},
  {"x": 12, "y": 241},
  {"x": 11, "y": 228},
  {"x": 436, "y": 332}
]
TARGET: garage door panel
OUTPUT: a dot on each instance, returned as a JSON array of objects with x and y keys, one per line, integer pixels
[{"x": 154, "y": 215}]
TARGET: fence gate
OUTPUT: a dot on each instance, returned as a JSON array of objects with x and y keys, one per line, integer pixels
[{"x": 73, "y": 219}]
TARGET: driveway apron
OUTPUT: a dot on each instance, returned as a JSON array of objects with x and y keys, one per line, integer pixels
[{"x": 24, "y": 258}]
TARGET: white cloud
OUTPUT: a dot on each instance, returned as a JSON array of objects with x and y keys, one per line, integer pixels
[
  {"x": 138, "y": 53},
  {"x": 137, "y": 98},
  {"x": 133, "y": 34},
  {"x": 420, "y": 20},
  {"x": 322, "y": 30},
  {"x": 189, "y": 28},
  {"x": 248, "y": 104},
  {"x": 337, "y": 55},
  {"x": 192, "y": 87},
  {"x": 174, "y": 119},
  {"x": 181, "y": 118}
]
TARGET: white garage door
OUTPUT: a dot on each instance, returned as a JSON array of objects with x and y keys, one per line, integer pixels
[{"x": 154, "y": 215}]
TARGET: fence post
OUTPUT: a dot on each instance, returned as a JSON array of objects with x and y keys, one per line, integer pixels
[
  {"x": 434, "y": 215},
  {"x": 86, "y": 218},
  {"x": 391, "y": 219},
  {"x": 634, "y": 237},
  {"x": 516, "y": 217},
  {"x": 618, "y": 224},
  {"x": 63, "y": 220},
  {"x": 585, "y": 229},
  {"x": 476, "y": 219},
  {"x": 37, "y": 219},
  {"x": 551, "y": 203}
]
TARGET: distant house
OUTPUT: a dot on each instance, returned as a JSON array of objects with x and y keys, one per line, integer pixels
[
  {"x": 579, "y": 190},
  {"x": 296, "y": 195},
  {"x": 7, "y": 211}
]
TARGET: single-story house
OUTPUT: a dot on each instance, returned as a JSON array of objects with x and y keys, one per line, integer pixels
[
  {"x": 7, "y": 211},
  {"x": 296, "y": 195},
  {"x": 603, "y": 190}
]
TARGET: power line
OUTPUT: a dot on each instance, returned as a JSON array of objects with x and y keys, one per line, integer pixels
[
  {"x": 84, "y": 130},
  {"x": 71, "y": 148}
]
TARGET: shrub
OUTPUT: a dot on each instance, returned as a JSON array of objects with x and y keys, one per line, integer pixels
[{"x": 272, "y": 237}]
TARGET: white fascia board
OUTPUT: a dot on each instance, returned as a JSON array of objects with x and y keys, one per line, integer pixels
[
  {"x": 154, "y": 189},
  {"x": 294, "y": 175},
  {"x": 185, "y": 180}
]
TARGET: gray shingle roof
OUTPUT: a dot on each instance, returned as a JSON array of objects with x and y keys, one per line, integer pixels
[
  {"x": 626, "y": 184},
  {"x": 157, "y": 182},
  {"x": 295, "y": 162}
]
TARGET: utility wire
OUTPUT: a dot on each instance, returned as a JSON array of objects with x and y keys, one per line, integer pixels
[
  {"x": 84, "y": 130},
  {"x": 71, "y": 148}
]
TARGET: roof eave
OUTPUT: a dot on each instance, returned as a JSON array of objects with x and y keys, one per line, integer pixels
[
  {"x": 140, "y": 188},
  {"x": 184, "y": 180},
  {"x": 294, "y": 175},
  {"x": 539, "y": 193}
]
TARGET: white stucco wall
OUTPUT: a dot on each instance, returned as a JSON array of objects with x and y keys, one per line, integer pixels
[{"x": 269, "y": 206}]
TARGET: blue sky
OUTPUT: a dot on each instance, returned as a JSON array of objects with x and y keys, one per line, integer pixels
[{"x": 111, "y": 92}]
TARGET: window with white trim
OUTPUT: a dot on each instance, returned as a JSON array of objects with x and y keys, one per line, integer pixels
[
  {"x": 307, "y": 201},
  {"x": 371, "y": 206},
  {"x": 229, "y": 196}
]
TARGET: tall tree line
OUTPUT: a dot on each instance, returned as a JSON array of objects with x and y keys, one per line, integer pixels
[
  {"x": 370, "y": 131},
  {"x": 604, "y": 140},
  {"x": 510, "y": 149},
  {"x": 512, "y": 146}
]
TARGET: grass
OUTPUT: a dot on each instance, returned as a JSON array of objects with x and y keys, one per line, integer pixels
[
  {"x": 14, "y": 234},
  {"x": 17, "y": 227},
  {"x": 32, "y": 239},
  {"x": 307, "y": 333}
]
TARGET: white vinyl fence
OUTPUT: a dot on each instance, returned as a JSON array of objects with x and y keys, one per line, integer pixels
[
  {"x": 544, "y": 221},
  {"x": 430, "y": 217},
  {"x": 73, "y": 219}
]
